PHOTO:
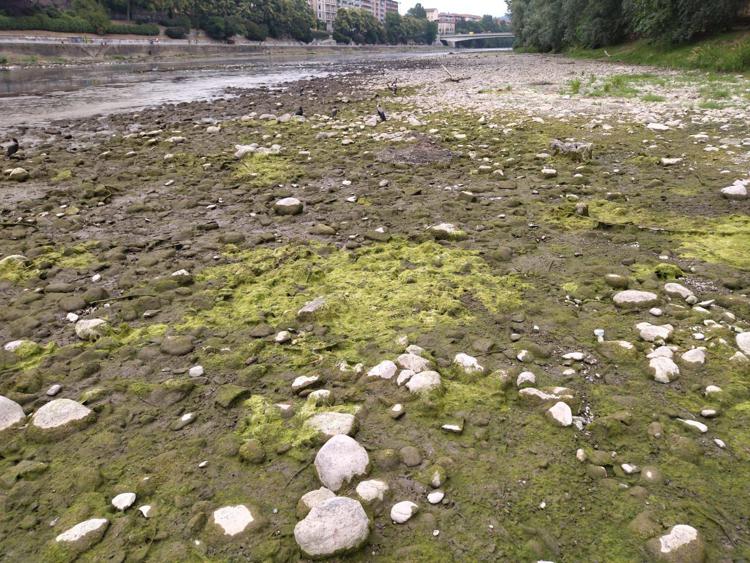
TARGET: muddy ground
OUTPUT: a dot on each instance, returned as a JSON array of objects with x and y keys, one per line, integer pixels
[{"x": 115, "y": 206}]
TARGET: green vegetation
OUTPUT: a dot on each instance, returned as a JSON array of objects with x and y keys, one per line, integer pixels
[
  {"x": 666, "y": 29},
  {"x": 369, "y": 294},
  {"x": 728, "y": 52},
  {"x": 220, "y": 19},
  {"x": 360, "y": 26}
]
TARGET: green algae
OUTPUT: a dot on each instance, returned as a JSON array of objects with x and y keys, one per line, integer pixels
[
  {"x": 266, "y": 170},
  {"x": 370, "y": 294},
  {"x": 265, "y": 423}
]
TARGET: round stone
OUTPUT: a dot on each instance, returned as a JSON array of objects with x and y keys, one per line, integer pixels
[
  {"x": 288, "y": 206},
  {"x": 385, "y": 370},
  {"x": 177, "y": 345},
  {"x": 372, "y": 490},
  {"x": 413, "y": 362},
  {"x": 402, "y": 511},
  {"x": 340, "y": 460},
  {"x": 435, "y": 497},
  {"x": 333, "y": 527},
  {"x": 332, "y": 423},
  {"x": 11, "y": 413},
  {"x": 635, "y": 299},
  {"x": 59, "y": 412},
  {"x": 424, "y": 382},
  {"x": 681, "y": 544},
  {"x": 90, "y": 329},
  {"x": 560, "y": 414},
  {"x": 123, "y": 501}
]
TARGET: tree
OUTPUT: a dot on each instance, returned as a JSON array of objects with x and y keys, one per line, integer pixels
[
  {"x": 417, "y": 11},
  {"x": 394, "y": 33}
]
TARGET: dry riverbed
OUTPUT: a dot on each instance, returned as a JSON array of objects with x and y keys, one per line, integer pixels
[{"x": 481, "y": 345}]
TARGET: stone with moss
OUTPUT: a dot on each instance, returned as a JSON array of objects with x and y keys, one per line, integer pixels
[{"x": 681, "y": 544}]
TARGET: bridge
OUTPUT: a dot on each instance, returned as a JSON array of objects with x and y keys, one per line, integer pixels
[{"x": 454, "y": 38}]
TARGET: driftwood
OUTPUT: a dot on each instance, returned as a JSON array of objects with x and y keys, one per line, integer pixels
[{"x": 452, "y": 78}]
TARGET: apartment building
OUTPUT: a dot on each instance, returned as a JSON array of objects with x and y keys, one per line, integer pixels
[{"x": 325, "y": 10}]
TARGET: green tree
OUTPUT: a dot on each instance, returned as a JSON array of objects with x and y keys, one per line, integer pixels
[
  {"x": 394, "y": 33},
  {"x": 417, "y": 11}
]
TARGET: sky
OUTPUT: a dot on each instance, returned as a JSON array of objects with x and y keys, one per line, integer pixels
[{"x": 478, "y": 7}]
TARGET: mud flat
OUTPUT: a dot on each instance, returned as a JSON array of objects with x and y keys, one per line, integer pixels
[{"x": 233, "y": 333}]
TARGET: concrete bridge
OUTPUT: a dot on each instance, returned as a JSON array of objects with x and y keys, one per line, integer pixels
[{"x": 454, "y": 38}]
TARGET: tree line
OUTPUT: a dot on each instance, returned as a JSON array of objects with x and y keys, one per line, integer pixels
[
  {"x": 552, "y": 25},
  {"x": 220, "y": 19},
  {"x": 361, "y": 26}
]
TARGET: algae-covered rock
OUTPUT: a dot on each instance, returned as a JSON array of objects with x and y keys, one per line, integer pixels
[
  {"x": 681, "y": 544},
  {"x": 91, "y": 329},
  {"x": 177, "y": 345},
  {"x": 60, "y": 415},
  {"x": 335, "y": 526},
  {"x": 230, "y": 394},
  {"x": 252, "y": 451}
]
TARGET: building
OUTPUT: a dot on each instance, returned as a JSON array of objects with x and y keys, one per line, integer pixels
[
  {"x": 446, "y": 28},
  {"x": 325, "y": 10},
  {"x": 432, "y": 14}
]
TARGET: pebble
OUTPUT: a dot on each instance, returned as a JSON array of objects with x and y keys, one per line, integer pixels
[
  {"x": 560, "y": 414},
  {"x": 424, "y": 382},
  {"x": 401, "y": 512},
  {"x": 468, "y": 363},
  {"x": 372, "y": 490},
  {"x": 123, "y": 501},
  {"x": 384, "y": 370},
  {"x": 435, "y": 497}
]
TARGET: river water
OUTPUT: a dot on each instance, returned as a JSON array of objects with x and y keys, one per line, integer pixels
[{"x": 38, "y": 95}]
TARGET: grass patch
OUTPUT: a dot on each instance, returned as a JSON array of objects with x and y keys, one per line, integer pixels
[
  {"x": 653, "y": 98},
  {"x": 729, "y": 52}
]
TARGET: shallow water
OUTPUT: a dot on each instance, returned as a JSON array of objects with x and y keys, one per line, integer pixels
[{"x": 35, "y": 96}]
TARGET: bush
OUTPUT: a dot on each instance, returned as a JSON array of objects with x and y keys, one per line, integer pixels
[
  {"x": 255, "y": 32},
  {"x": 341, "y": 38},
  {"x": 176, "y": 32},
  {"x": 215, "y": 27},
  {"x": 179, "y": 21},
  {"x": 72, "y": 24},
  {"x": 150, "y": 29},
  {"x": 321, "y": 35}
]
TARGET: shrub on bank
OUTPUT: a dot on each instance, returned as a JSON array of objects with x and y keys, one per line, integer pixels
[
  {"x": 320, "y": 35},
  {"x": 176, "y": 32},
  {"x": 71, "y": 24},
  {"x": 255, "y": 32}
]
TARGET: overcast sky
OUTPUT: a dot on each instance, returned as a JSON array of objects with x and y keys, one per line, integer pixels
[{"x": 478, "y": 7}]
